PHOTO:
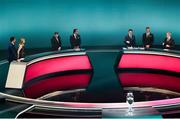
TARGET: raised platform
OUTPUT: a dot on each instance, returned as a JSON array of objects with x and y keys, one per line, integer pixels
[{"x": 105, "y": 80}]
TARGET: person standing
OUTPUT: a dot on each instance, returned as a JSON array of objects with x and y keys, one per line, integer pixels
[
  {"x": 56, "y": 42},
  {"x": 20, "y": 51},
  {"x": 75, "y": 39},
  {"x": 129, "y": 39},
  {"x": 12, "y": 54},
  {"x": 168, "y": 42},
  {"x": 148, "y": 38}
]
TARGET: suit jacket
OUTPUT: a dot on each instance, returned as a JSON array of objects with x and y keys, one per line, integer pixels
[
  {"x": 75, "y": 41},
  {"x": 148, "y": 40},
  {"x": 55, "y": 44},
  {"x": 171, "y": 43},
  {"x": 131, "y": 40},
  {"x": 12, "y": 53}
]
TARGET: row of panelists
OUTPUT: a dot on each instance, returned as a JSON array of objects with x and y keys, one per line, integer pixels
[
  {"x": 75, "y": 40},
  {"x": 129, "y": 40}
]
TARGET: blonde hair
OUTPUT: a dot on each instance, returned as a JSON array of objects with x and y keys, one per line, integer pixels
[{"x": 22, "y": 41}]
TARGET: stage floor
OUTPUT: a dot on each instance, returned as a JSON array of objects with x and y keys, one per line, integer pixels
[{"x": 105, "y": 86}]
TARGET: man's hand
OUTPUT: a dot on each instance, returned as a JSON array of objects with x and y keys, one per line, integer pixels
[
  {"x": 147, "y": 46},
  {"x": 59, "y": 48},
  {"x": 168, "y": 46},
  {"x": 128, "y": 42}
]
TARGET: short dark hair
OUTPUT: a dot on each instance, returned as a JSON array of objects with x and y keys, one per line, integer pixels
[
  {"x": 56, "y": 33},
  {"x": 74, "y": 30},
  {"x": 147, "y": 27},
  {"x": 130, "y": 30},
  {"x": 12, "y": 39}
]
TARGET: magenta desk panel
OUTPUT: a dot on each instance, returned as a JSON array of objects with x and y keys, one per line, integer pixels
[
  {"x": 56, "y": 72},
  {"x": 150, "y": 80},
  {"x": 43, "y": 87},
  {"x": 60, "y": 64},
  {"x": 150, "y": 61}
]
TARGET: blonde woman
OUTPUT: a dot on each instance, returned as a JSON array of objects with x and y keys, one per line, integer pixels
[
  {"x": 20, "y": 51},
  {"x": 168, "y": 41}
]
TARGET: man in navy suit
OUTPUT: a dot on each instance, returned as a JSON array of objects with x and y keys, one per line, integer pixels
[
  {"x": 12, "y": 53},
  {"x": 129, "y": 39},
  {"x": 148, "y": 38},
  {"x": 56, "y": 42},
  {"x": 75, "y": 39}
]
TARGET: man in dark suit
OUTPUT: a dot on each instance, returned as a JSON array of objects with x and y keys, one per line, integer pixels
[
  {"x": 148, "y": 38},
  {"x": 56, "y": 42},
  {"x": 129, "y": 39},
  {"x": 12, "y": 53},
  {"x": 75, "y": 39},
  {"x": 168, "y": 41}
]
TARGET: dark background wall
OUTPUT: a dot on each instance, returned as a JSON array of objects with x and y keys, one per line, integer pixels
[{"x": 101, "y": 22}]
